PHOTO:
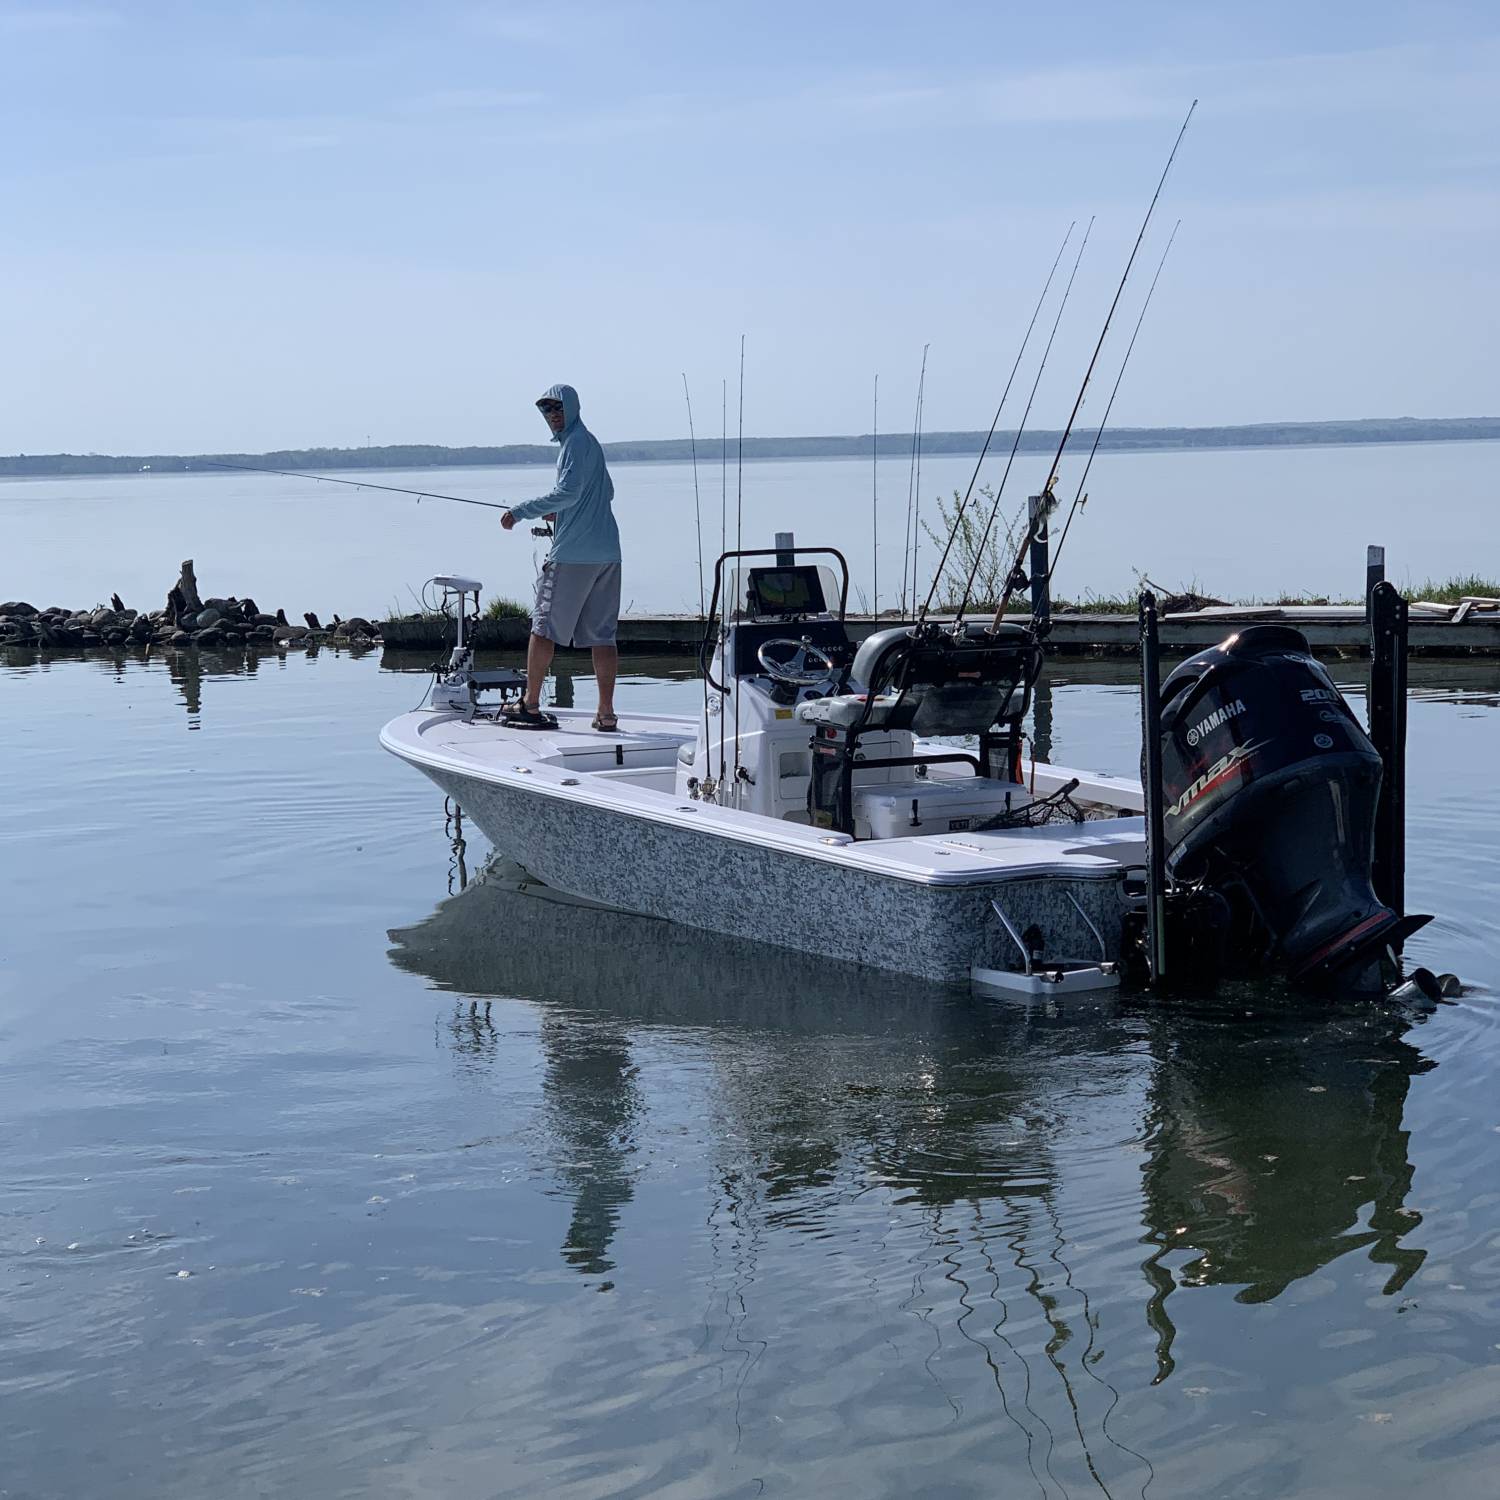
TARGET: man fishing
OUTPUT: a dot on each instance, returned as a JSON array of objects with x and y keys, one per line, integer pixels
[{"x": 578, "y": 594}]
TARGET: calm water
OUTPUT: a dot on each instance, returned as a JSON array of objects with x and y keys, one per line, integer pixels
[
  {"x": 324, "y": 1181},
  {"x": 1252, "y": 523}
]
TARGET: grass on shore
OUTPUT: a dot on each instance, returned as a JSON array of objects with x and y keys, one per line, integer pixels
[
  {"x": 498, "y": 608},
  {"x": 1453, "y": 590},
  {"x": 1194, "y": 596}
]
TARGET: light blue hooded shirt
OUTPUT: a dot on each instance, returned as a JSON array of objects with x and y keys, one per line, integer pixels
[{"x": 581, "y": 498}]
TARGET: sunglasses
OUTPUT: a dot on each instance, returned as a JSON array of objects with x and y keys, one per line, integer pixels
[{"x": 548, "y": 407}]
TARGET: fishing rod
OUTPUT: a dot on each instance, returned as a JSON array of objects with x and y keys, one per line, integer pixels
[
  {"x": 698, "y": 519},
  {"x": 739, "y": 544},
  {"x": 697, "y": 508},
  {"x": 907, "y": 536},
  {"x": 1017, "y": 573},
  {"x": 1005, "y": 395},
  {"x": 875, "y": 503},
  {"x": 989, "y": 525},
  {"x": 723, "y": 548},
  {"x": 359, "y": 484},
  {"x": 1080, "y": 498}
]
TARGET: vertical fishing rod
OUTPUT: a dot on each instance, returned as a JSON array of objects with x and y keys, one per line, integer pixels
[
  {"x": 739, "y": 546},
  {"x": 739, "y": 462},
  {"x": 1080, "y": 499},
  {"x": 698, "y": 519},
  {"x": 917, "y": 509},
  {"x": 697, "y": 508},
  {"x": 1005, "y": 395},
  {"x": 911, "y": 484},
  {"x": 963, "y": 603},
  {"x": 1017, "y": 572},
  {"x": 875, "y": 504},
  {"x": 723, "y": 548}
]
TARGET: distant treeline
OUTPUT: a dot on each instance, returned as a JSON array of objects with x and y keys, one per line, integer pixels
[{"x": 658, "y": 450}]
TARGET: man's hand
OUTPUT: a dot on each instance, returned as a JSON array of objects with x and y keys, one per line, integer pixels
[{"x": 508, "y": 522}]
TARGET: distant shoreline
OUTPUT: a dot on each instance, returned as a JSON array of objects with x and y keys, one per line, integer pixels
[{"x": 1373, "y": 430}]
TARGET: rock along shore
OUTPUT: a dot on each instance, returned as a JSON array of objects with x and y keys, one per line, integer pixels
[{"x": 186, "y": 621}]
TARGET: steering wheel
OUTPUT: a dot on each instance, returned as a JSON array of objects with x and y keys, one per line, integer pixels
[{"x": 806, "y": 666}]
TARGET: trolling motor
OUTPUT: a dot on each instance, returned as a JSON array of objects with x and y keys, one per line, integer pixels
[
  {"x": 1267, "y": 808},
  {"x": 458, "y": 685},
  {"x": 451, "y": 689}
]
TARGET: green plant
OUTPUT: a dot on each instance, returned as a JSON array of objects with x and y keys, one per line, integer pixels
[
  {"x": 979, "y": 549},
  {"x": 501, "y": 608}
]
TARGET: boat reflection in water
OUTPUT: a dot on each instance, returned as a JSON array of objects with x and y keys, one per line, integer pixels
[{"x": 1011, "y": 1140}]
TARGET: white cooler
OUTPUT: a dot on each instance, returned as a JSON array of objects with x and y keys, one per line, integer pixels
[{"x": 908, "y": 809}]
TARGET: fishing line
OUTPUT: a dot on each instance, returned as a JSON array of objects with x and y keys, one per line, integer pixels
[
  {"x": 359, "y": 484},
  {"x": 973, "y": 479},
  {"x": 1016, "y": 572},
  {"x": 963, "y": 603},
  {"x": 1079, "y": 498}
]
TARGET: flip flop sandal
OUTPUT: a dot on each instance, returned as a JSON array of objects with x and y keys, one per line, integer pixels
[
  {"x": 610, "y": 725},
  {"x": 521, "y": 717}
]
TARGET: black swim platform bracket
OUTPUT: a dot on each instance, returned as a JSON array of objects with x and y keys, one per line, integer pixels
[
  {"x": 1151, "y": 787},
  {"x": 1387, "y": 709}
]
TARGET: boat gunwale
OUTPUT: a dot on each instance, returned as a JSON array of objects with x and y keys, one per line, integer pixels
[{"x": 547, "y": 780}]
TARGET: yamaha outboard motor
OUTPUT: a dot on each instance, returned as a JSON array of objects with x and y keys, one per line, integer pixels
[{"x": 1270, "y": 791}]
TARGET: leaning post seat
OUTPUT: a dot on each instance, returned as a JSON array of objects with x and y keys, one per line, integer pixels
[{"x": 930, "y": 680}]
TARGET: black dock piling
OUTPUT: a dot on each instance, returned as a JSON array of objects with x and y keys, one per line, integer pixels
[
  {"x": 1156, "y": 853},
  {"x": 1374, "y": 573},
  {"x": 1041, "y": 590},
  {"x": 1387, "y": 709}
]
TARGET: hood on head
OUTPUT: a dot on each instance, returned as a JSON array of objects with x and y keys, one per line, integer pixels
[{"x": 569, "y": 398}]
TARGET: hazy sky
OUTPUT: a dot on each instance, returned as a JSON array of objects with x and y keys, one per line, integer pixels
[{"x": 241, "y": 226}]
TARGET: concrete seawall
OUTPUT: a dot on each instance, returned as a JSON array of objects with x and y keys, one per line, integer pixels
[{"x": 1330, "y": 630}]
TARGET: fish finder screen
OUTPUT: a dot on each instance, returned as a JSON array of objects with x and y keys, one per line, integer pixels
[{"x": 787, "y": 591}]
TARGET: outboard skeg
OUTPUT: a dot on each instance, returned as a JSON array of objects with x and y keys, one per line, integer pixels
[{"x": 1271, "y": 787}]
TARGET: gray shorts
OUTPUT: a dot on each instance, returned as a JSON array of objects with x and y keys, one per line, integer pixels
[{"x": 577, "y": 604}]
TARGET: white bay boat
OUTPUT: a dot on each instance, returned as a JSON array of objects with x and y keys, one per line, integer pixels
[{"x": 875, "y": 803}]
